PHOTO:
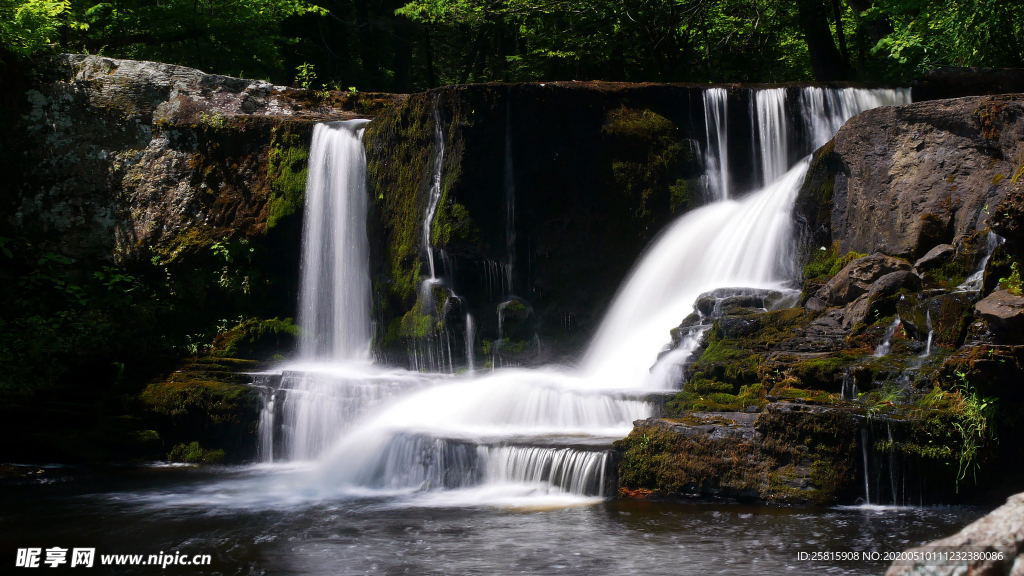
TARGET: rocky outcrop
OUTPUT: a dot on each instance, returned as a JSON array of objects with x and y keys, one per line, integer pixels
[
  {"x": 902, "y": 180},
  {"x": 859, "y": 276},
  {"x": 996, "y": 539},
  {"x": 121, "y": 158},
  {"x": 1004, "y": 313},
  {"x": 789, "y": 453}
]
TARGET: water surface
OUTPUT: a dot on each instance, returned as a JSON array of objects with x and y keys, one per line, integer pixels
[{"x": 147, "y": 510}]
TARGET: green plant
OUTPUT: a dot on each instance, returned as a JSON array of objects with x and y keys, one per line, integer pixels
[
  {"x": 305, "y": 75},
  {"x": 975, "y": 424},
  {"x": 1012, "y": 284},
  {"x": 827, "y": 262},
  {"x": 215, "y": 120}
]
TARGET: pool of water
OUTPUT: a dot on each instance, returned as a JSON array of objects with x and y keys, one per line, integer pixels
[{"x": 248, "y": 526}]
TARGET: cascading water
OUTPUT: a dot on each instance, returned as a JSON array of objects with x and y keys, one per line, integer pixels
[
  {"x": 547, "y": 431},
  {"x": 717, "y": 179},
  {"x": 886, "y": 344},
  {"x": 772, "y": 133},
  {"x": 334, "y": 300},
  {"x": 435, "y": 192}
]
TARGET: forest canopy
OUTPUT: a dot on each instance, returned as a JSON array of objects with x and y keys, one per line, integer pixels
[{"x": 394, "y": 45}]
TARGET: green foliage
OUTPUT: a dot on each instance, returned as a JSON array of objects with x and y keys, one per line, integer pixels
[
  {"x": 826, "y": 262},
  {"x": 57, "y": 314},
  {"x": 29, "y": 26},
  {"x": 734, "y": 39},
  {"x": 430, "y": 42},
  {"x": 1012, "y": 284},
  {"x": 195, "y": 454},
  {"x": 929, "y": 33}
]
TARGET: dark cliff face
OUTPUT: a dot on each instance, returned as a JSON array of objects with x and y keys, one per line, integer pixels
[
  {"x": 549, "y": 193},
  {"x": 565, "y": 182}
]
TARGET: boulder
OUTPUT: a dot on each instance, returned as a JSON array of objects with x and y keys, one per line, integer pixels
[
  {"x": 1001, "y": 531},
  {"x": 1004, "y": 313},
  {"x": 815, "y": 305},
  {"x": 857, "y": 278},
  {"x": 892, "y": 283},
  {"x": 936, "y": 257},
  {"x": 905, "y": 179}
]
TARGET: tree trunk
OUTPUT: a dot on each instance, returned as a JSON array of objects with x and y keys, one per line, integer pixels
[{"x": 827, "y": 62}]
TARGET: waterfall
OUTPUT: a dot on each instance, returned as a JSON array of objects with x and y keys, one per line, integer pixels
[
  {"x": 510, "y": 200},
  {"x": 730, "y": 243},
  {"x": 975, "y": 282},
  {"x": 435, "y": 191},
  {"x": 825, "y": 110},
  {"x": 542, "y": 431},
  {"x": 928, "y": 344},
  {"x": 886, "y": 344},
  {"x": 773, "y": 134},
  {"x": 717, "y": 179},
  {"x": 470, "y": 339},
  {"x": 334, "y": 300}
]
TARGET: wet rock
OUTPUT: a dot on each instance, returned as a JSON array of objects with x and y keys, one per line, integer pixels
[
  {"x": 815, "y": 304},
  {"x": 726, "y": 301},
  {"x": 123, "y": 157},
  {"x": 858, "y": 276},
  {"x": 1004, "y": 313},
  {"x": 956, "y": 82},
  {"x": 789, "y": 453},
  {"x": 1000, "y": 531},
  {"x": 946, "y": 315},
  {"x": 823, "y": 334},
  {"x": 936, "y": 257},
  {"x": 893, "y": 282}
]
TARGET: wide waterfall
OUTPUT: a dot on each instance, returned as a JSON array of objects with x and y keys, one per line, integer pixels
[{"x": 516, "y": 434}]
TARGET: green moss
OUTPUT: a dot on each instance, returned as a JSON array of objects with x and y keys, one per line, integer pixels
[
  {"x": 827, "y": 262},
  {"x": 287, "y": 165},
  {"x": 453, "y": 222},
  {"x": 821, "y": 372},
  {"x": 257, "y": 339},
  {"x": 648, "y": 156},
  {"x": 193, "y": 453},
  {"x": 401, "y": 150},
  {"x": 664, "y": 462}
]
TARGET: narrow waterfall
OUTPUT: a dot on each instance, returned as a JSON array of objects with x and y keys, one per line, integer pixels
[
  {"x": 548, "y": 431},
  {"x": 510, "y": 202},
  {"x": 772, "y": 133},
  {"x": 334, "y": 301},
  {"x": 435, "y": 192},
  {"x": 717, "y": 179}
]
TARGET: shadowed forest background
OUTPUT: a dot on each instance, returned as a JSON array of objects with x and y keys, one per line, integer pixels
[{"x": 391, "y": 45}]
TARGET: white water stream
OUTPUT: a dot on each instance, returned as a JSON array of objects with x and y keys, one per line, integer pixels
[{"x": 518, "y": 433}]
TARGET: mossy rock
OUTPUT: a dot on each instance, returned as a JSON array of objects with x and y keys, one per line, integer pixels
[
  {"x": 205, "y": 401},
  {"x": 788, "y": 454},
  {"x": 193, "y": 453},
  {"x": 257, "y": 339}
]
